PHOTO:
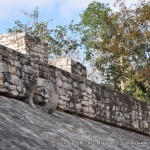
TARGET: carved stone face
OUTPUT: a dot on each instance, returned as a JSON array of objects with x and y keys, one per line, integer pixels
[{"x": 43, "y": 94}]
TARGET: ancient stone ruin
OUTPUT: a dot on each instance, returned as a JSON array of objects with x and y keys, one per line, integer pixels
[{"x": 28, "y": 75}]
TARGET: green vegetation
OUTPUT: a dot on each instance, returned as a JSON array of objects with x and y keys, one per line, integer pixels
[
  {"x": 60, "y": 42},
  {"x": 118, "y": 45}
]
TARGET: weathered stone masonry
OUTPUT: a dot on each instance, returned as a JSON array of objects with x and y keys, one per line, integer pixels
[
  {"x": 31, "y": 46},
  {"x": 70, "y": 66},
  {"x": 76, "y": 93}
]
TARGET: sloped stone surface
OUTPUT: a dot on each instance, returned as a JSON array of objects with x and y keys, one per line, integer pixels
[{"x": 25, "y": 128}]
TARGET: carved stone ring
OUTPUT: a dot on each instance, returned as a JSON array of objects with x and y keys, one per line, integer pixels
[{"x": 52, "y": 103}]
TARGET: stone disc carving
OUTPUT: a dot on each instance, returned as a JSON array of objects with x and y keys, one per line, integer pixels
[{"x": 52, "y": 103}]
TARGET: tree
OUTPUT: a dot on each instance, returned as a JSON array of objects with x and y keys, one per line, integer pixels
[
  {"x": 118, "y": 45},
  {"x": 60, "y": 42}
]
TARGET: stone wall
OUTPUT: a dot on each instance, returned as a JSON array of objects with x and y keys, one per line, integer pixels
[
  {"x": 70, "y": 65},
  {"x": 25, "y": 44},
  {"x": 76, "y": 93}
]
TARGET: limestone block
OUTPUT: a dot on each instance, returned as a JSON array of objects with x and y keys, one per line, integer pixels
[
  {"x": 71, "y": 105},
  {"x": 135, "y": 124},
  {"x": 15, "y": 93},
  {"x": 64, "y": 86},
  {"x": 4, "y": 39},
  {"x": 58, "y": 74},
  {"x": 19, "y": 88},
  {"x": 67, "y": 86},
  {"x": 59, "y": 82},
  {"x": 3, "y": 89},
  {"x": 107, "y": 107},
  {"x": 63, "y": 78},
  {"x": 35, "y": 49},
  {"x": 62, "y": 91},
  {"x": 91, "y": 110},
  {"x": 6, "y": 84},
  {"x": 1, "y": 82},
  {"x": 69, "y": 61},
  {"x": 139, "y": 117},
  {"x": 94, "y": 96},
  {"x": 144, "y": 124},
  {"x": 15, "y": 80},
  {"x": 107, "y": 114},
  {"x": 52, "y": 79},
  {"x": 84, "y": 93},
  {"x": 13, "y": 87},
  {"x": 75, "y": 84},
  {"x": 13, "y": 70},
  {"x": 9, "y": 68},
  {"x": 90, "y": 102},
  {"x": 69, "y": 80},
  {"x": 89, "y": 96},
  {"x": 69, "y": 94},
  {"x": 84, "y": 103},
  {"x": 62, "y": 62},
  {"x": 11, "y": 38},
  {"x": 83, "y": 87},
  {"x": 85, "y": 109},
  {"x": 117, "y": 108},
  {"x": 36, "y": 72},
  {"x": 85, "y": 98},
  {"x": 3, "y": 67},
  {"x": 24, "y": 90},
  {"x": 1, "y": 76},
  {"x": 1, "y": 35},
  {"x": 17, "y": 64},
  {"x": 27, "y": 69},
  {"x": 60, "y": 102},
  {"x": 64, "y": 98},
  {"x": 78, "y": 106},
  {"x": 134, "y": 115},
  {"x": 1, "y": 57}
]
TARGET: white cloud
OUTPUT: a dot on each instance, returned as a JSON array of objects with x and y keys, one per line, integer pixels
[
  {"x": 66, "y": 8},
  {"x": 11, "y": 7},
  {"x": 70, "y": 7}
]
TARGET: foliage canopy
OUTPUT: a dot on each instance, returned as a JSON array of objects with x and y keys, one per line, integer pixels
[
  {"x": 60, "y": 42},
  {"x": 118, "y": 45}
]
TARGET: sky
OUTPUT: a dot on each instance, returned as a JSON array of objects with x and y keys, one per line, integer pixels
[{"x": 61, "y": 11}]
